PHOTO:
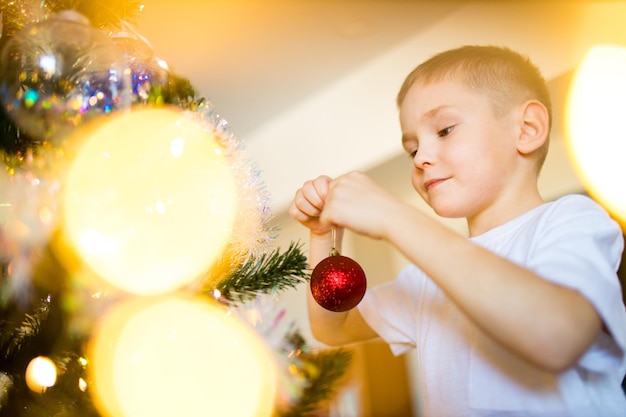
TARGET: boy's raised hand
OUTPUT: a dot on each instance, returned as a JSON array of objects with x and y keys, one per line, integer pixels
[
  {"x": 352, "y": 201},
  {"x": 356, "y": 202},
  {"x": 308, "y": 203}
]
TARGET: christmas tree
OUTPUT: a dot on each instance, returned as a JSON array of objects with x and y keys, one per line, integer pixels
[{"x": 138, "y": 273}]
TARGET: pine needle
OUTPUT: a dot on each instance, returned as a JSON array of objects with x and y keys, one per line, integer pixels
[
  {"x": 265, "y": 274},
  {"x": 27, "y": 330},
  {"x": 331, "y": 365}
]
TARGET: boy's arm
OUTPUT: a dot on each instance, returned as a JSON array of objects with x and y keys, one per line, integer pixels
[
  {"x": 333, "y": 328},
  {"x": 546, "y": 324},
  {"x": 328, "y": 327}
]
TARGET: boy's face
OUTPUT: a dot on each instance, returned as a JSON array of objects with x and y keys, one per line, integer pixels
[{"x": 463, "y": 155}]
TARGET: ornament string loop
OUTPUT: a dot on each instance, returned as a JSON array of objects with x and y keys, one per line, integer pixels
[{"x": 333, "y": 249}]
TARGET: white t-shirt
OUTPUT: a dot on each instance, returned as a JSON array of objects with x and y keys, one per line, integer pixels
[{"x": 461, "y": 372}]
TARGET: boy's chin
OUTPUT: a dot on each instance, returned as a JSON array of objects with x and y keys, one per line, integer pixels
[{"x": 447, "y": 211}]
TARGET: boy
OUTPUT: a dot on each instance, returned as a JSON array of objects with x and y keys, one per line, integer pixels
[{"x": 524, "y": 317}]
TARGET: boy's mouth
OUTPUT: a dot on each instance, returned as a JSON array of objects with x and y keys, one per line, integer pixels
[{"x": 433, "y": 183}]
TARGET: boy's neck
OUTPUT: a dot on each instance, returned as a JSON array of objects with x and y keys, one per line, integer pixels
[{"x": 500, "y": 214}]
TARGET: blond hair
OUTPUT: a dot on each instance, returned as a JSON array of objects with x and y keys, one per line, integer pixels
[{"x": 507, "y": 77}]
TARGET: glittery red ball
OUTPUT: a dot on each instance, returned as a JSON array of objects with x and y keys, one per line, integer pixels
[{"x": 338, "y": 283}]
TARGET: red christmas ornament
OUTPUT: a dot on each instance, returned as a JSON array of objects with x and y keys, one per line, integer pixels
[{"x": 338, "y": 283}]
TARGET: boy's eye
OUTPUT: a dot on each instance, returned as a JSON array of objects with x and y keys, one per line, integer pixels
[
  {"x": 410, "y": 146},
  {"x": 446, "y": 131}
]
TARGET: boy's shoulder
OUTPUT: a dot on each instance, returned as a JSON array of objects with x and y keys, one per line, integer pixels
[
  {"x": 577, "y": 203},
  {"x": 569, "y": 215},
  {"x": 577, "y": 217},
  {"x": 575, "y": 199}
]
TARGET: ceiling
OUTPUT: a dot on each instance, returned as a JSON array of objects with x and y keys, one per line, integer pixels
[
  {"x": 309, "y": 85},
  {"x": 256, "y": 58}
]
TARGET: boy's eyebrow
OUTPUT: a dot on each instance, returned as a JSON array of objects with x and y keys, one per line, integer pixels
[
  {"x": 430, "y": 114},
  {"x": 433, "y": 112},
  {"x": 408, "y": 137}
]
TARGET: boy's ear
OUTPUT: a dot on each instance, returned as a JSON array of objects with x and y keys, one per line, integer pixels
[{"x": 535, "y": 127}]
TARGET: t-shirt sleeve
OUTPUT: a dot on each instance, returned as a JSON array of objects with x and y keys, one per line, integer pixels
[
  {"x": 581, "y": 249},
  {"x": 384, "y": 308}
]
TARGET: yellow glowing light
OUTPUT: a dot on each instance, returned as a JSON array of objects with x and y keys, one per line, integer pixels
[
  {"x": 82, "y": 384},
  {"x": 150, "y": 200},
  {"x": 177, "y": 147},
  {"x": 179, "y": 356},
  {"x": 595, "y": 108},
  {"x": 41, "y": 374}
]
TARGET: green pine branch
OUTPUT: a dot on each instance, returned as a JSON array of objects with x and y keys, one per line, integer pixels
[
  {"x": 265, "y": 274},
  {"x": 107, "y": 14},
  {"x": 330, "y": 365},
  {"x": 13, "y": 340},
  {"x": 103, "y": 14}
]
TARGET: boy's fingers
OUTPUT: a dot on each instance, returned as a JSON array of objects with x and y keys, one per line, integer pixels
[
  {"x": 308, "y": 201},
  {"x": 321, "y": 185},
  {"x": 314, "y": 194},
  {"x": 305, "y": 205}
]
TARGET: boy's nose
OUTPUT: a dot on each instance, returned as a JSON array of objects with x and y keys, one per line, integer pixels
[{"x": 423, "y": 157}]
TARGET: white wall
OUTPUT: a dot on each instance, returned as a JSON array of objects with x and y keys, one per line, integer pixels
[{"x": 352, "y": 124}]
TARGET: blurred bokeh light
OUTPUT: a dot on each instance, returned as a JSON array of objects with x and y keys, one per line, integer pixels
[
  {"x": 150, "y": 200},
  {"x": 596, "y": 106},
  {"x": 179, "y": 356},
  {"x": 41, "y": 374}
]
